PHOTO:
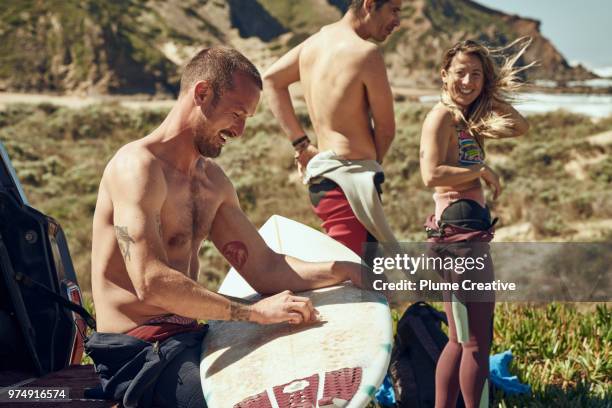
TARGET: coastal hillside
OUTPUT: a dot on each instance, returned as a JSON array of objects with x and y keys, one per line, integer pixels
[
  {"x": 98, "y": 47},
  {"x": 59, "y": 154}
]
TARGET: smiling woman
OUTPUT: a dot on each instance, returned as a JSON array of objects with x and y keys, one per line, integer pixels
[
  {"x": 474, "y": 105},
  {"x": 473, "y": 84},
  {"x": 464, "y": 79}
]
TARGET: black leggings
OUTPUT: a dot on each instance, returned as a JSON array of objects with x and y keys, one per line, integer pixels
[
  {"x": 464, "y": 362},
  {"x": 179, "y": 385}
]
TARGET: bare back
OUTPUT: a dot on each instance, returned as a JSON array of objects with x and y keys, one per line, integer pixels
[
  {"x": 184, "y": 221},
  {"x": 334, "y": 70}
]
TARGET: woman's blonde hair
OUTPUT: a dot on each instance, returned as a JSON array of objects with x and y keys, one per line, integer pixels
[{"x": 501, "y": 82}]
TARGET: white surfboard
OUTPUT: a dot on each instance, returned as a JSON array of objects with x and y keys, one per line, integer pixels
[{"x": 339, "y": 362}]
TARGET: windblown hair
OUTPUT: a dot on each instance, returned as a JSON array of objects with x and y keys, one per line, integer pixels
[
  {"x": 218, "y": 65},
  {"x": 357, "y": 4},
  {"x": 501, "y": 83}
]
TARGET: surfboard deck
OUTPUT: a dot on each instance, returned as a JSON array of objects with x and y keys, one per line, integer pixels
[{"x": 338, "y": 362}]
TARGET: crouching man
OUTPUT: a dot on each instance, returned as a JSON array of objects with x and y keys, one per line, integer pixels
[{"x": 159, "y": 198}]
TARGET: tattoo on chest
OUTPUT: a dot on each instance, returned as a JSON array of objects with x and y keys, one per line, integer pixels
[
  {"x": 239, "y": 312},
  {"x": 124, "y": 240},
  {"x": 236, "y": 253}
]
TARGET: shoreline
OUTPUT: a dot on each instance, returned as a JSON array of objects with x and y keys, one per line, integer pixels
[{"x": 535, "y": 100}]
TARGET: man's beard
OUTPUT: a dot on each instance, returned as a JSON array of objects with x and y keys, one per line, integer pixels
[
  {"x": 206, "y": 148},
  {"x": 203, "y": 142}
]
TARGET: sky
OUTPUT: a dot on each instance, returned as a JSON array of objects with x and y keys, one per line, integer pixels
[{"x": 580, "y": 29}]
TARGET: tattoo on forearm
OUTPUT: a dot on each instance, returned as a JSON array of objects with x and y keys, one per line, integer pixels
[
  {"x": 236, "y": 253},
  {"x": 124, "y": 240},
  {"x": 422, "y": 154},
  {"x": 239, "y": 312}
]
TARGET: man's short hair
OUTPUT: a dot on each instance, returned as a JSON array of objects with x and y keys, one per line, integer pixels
[
  {"x": 357, "y": 4},
  {"x": 218, "y": 65}
]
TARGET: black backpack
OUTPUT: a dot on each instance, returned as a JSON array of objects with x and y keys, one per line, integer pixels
[{"x": 418, "y": 344}]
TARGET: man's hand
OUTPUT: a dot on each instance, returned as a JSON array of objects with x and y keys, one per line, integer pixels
[
  {"x": 492, "y": 180},
  {"x": 303, "y": 157},
  {"x": 284, "y": 307},
  {"x": 350, "y": 271}
]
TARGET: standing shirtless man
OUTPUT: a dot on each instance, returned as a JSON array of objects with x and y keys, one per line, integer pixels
[
  {"x": 159, "y": 198},
  {"x": 350, "y": 105}
]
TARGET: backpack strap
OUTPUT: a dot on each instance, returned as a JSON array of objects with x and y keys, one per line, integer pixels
[
  {"x": 440, "y": 316},
  {"x": 424, "y": 337},
  {"x": 408, "y": 389},
  {"x": 412, "y": 317},
  {"x": 43, "y": 290}
]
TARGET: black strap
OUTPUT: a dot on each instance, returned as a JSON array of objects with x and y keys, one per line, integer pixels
[
  {"x": 438, "y": 315},
  {"x": 471, "y": 224},
  {"x": 424, "y": 337},
  {"x": 424, "y": 306},
  {"x": 301, "y": 139},
  {"x": 404, "y": 383},
  {"x": 30, "y": 283}
]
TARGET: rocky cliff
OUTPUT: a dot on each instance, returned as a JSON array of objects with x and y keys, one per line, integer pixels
[{"x": 137, "y": 46}]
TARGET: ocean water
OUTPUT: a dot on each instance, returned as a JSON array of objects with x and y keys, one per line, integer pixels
[
  {"x": 604, "y": 72},
  {"x": 593, "y": 83},
  {"x": 596, "y": 106}
]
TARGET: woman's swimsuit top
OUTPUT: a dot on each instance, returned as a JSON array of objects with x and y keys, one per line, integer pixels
[{"x": 470, "y": 151}]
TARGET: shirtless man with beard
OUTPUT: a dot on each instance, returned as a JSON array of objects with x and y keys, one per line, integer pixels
[
  {"x": 159, "y": 198},
  {"x": 350, "y": 105}
]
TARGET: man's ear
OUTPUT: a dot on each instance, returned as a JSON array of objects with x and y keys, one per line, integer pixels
[
  {"x": 368, "y": 5},
  {"x": 203, "y": 94},
  {"x": 444, "y": 76}
]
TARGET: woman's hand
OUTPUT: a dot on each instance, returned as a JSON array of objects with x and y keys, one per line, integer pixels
[
  {"x": 492, "y": 180},
  {"x": 520, "y": 126}
]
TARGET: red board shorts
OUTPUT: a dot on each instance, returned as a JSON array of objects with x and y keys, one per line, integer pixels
[{"x": 339, "y": 221}]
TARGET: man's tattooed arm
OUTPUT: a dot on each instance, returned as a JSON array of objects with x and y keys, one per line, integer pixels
[
  {"x": 236, "y": 253},
  {"x": 124, "y": 240},
  {"x": 239, "y": 311}
]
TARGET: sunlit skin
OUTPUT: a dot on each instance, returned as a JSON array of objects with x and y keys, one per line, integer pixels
[
  {"x": 464, "y": 79},
  {"x": 345, "y": 84},
  {"x": 386, "y": 19},
  {"x": 161, "y": 196},
  {"x": 221, "y": 121},
  {"x": 444, "y": 131}
]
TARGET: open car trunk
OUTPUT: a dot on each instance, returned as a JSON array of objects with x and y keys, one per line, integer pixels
[{"x": 42, "y": 322}]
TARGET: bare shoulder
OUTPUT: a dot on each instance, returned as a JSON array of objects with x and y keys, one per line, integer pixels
[
  {"x": 134, "y": 173},
  {"x": 370, "y": 58},
  {"x": 367, "y": 52},
  {"x": 311, "y": 46},
  {"x": 439, "y": 117},
  {"x": 215, "y": 175}
]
